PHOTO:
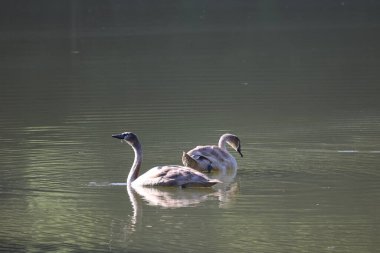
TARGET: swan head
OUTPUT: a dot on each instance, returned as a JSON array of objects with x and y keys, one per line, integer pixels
[
  {"x": 128, "y": 137},
  {"x": 234, "y": 142}
]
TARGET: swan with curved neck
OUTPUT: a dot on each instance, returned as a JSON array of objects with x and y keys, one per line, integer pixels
[
  {"x": 168, "y": 175},
  {"x": 214, "y": 158}
]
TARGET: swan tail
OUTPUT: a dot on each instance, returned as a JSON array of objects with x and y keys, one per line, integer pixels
[
  {"x": 188, "y": 161},
  {"x": 197, "y": 163}
]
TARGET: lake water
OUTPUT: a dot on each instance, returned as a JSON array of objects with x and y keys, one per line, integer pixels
[{"x": 299, "y": 84}]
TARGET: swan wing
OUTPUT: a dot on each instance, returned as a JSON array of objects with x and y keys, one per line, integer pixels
[{"x": 212, "y": 158}]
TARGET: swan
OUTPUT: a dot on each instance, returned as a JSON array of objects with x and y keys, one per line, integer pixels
[
  {"x": 168, "y": 175},
  {"x": 213, "y": 158}
]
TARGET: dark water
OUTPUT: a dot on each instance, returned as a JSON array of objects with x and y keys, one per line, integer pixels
[{"x": 297, "y": 83}]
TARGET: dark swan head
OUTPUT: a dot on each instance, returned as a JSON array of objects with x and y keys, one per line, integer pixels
[
  {"x": 129, "y": 137},
  {"x": 234, "y": 142}
]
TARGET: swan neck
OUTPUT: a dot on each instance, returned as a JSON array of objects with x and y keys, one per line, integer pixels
[
  {"x": 134, "y": 172},
  {"x": 222, "y": 142}
]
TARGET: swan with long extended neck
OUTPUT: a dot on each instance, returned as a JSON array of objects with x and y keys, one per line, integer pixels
[
  {"x": 214, "y": 158},
  {"x": 168, "y": 175}
]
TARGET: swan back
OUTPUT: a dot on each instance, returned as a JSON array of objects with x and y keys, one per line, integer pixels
[{"x": 173, "y": 175}]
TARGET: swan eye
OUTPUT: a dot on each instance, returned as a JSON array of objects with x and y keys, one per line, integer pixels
[{"x": 128, "y": 136}]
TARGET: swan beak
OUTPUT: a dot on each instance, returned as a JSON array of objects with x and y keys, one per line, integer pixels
[
  {"x": 118, "y": 136},
  {"x": 239, "y": 150}
]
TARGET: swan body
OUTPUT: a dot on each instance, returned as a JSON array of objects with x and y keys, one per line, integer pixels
[
  {"x": 168, "y": 175},
  {"x": 213, "y": 158},
  {"x": 173, "y": 175}
]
